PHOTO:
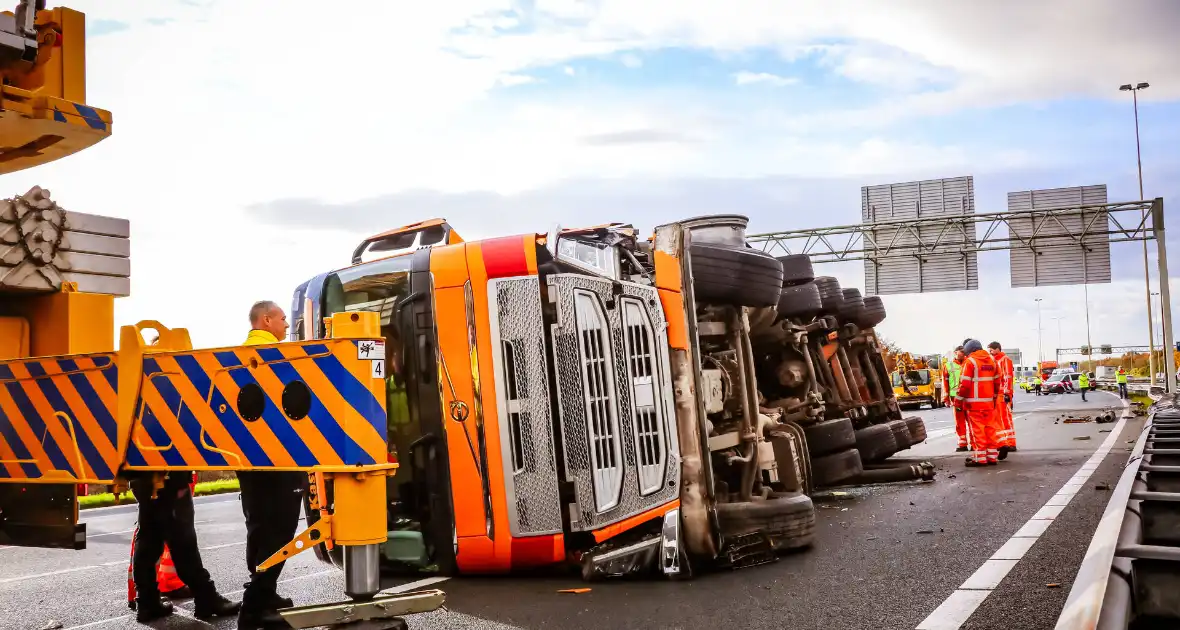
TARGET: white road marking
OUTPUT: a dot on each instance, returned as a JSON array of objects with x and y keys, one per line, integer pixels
[
  {"x": 49, "y": 574},
  {"x": 125, "y": 531},
  {"x": 962, "y": 603},
  {"x": 233, "y": 544}
]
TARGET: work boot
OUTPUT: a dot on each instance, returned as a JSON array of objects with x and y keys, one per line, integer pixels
[
  {"x": 1003, "y": 453},
  {"x": 151, "y": 608},
  {"x": 274, "y": 600},
  {"x": 215, "y": 605},
  {"x": 971, "y": 463},
  {"x": 1011, "y": 449},
  {"x": 183, "y": 592},
  {"x": 961, "y": 449},
  {"x": 992, "y": 462}
]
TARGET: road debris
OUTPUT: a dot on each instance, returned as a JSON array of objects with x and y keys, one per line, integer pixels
[
  {"x": 1102, "y": 485},
  {"x": 53, "y": 624},
  {"x": 1082, "y": 437},
  {"x": 574, "y": 591},
  {"x": 925, "y": 531},
  {"x": 1053, "y": 585}
]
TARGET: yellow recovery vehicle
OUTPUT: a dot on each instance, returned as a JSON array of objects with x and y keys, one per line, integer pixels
[
  {"x": 76, "y": 409},
  {"x": 916, "y": 381}
]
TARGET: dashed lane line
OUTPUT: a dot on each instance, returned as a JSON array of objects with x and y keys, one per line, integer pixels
[{"x": 956, "y": 609}]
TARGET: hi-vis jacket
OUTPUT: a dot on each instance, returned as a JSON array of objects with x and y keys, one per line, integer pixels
[
  {"x": 1006, "y": 372},
  {"x": 977, "y": 384},
  {"x": 951, "y": 368},
  {"x": 259, "y": 338}
]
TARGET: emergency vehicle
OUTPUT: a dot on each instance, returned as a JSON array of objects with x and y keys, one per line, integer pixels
[{"x": 631, "y": 405}]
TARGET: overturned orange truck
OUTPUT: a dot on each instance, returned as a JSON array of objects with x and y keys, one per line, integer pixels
[{"x": 624, "y": 405}]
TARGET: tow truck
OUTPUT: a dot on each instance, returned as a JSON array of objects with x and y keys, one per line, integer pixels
[
  {"x": 627, "y": 405},
  {"x": 77, "y": 408},
  {"x": 916, "y": 381}
]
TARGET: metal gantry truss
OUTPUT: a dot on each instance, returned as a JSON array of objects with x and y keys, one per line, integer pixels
[
  {"x": 1126, "y": 221},
  {"x": 1115, "y": 351},
  {"x": 904, "y": 238}
]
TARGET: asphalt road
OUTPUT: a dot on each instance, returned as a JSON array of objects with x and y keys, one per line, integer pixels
[{"x": 885, "y": 557}]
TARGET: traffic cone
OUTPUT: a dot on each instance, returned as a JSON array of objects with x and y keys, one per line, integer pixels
[{"x": 170, "y": 584}]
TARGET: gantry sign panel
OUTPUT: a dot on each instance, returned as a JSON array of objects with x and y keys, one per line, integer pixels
[
  {"x": 943, "y": 256},
  {"x": 1060, "y": 249}
]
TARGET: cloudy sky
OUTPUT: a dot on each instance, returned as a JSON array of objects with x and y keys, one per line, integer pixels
[{"x": 256, "y": 142}]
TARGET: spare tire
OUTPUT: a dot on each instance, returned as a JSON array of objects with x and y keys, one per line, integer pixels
[
  {"x": 874, "y": 312},
  {"x": 737, "y": 276},
  {"x": 830, "y": 470},
  {"x": 917, "y": 428},
  {"x": 800, "y": 301},
  {"x": 797, "y": 269},
  {"x": 830, "y": 294},
  {"x": 829, "y": 436},
  {"x": 875, "y": 442}
]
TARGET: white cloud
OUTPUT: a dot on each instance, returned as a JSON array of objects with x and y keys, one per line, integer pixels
[
  {"x": 569, "y": 71},
  {"x": 749, "y": 78},
  {"x": 510, "y": 80},
  {"x": 631, "y": 61}
]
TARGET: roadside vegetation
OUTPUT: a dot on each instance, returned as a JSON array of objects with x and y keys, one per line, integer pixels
[{"x": 104, "y": 499}]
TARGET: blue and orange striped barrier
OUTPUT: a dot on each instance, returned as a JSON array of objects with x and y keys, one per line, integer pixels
[{"x": 313, "y": 405}]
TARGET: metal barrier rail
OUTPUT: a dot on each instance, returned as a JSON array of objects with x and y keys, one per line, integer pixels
[{"x": 1131, "y": 571}]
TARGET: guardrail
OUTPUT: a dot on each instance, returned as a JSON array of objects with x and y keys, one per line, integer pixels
[{"x": 1131, "y": 572}]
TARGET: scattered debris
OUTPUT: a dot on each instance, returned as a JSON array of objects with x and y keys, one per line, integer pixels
[
  {"x": 871, "y": 538},
  {"x": 1053, "y": 585},
  {"x": 925, "y": 531},
  {"x": 53, "y": 624},
  {"x": 1104, "y": 430},
  {"x": 1082, "y": 437},
  {"x": 574, "y": 591},
  {"x": 950, "y": 477},
  {"x": 1102, "y": 485}
]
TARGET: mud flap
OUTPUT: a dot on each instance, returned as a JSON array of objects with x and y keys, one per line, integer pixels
[{"x": 41, "y": 515}]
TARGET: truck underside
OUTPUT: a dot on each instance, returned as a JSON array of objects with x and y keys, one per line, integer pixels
[{"x": 627, "y": 406}]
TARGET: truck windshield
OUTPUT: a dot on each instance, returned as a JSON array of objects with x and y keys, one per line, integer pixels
[
  {"x": 380, "y": 286},
  {"x": 912, "y": 377}
]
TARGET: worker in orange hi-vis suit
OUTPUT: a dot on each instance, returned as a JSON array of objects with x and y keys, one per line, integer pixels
[
  {"x": 952, "y": 367},
  {"x": 1007, "y": 373},
  {"x": 977, "y": 395}
]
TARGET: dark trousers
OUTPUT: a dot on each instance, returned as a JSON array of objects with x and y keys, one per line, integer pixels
[
  {"x": 1037, "y": 387},
  {"x": 1083, "y": 392},
  {"x": 168, "y": 518},
  {"x": 271, "y": 502},
  {"x": 1122, "y": 390}
]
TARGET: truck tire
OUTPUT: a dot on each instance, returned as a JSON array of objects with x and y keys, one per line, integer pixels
[
  {"x": 853, "y": 308},
  {"x": 787, "y": 518},
  {"x": 797, "y": 269},
  {"x": 875, "y": 443},
  {"x": 901, "y": 433},
  {"x": 830, "y": 436},
  {"x": 917, "y": 429},
  {"x": 736, "y": 276},
  {"x": 830, "y": 295},
  {"x": 831, "y": 470},
  {"x": 874, "y": 312},
  {"x": 800, "y": 301}
]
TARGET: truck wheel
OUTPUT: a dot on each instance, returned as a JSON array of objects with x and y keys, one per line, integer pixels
[
  {"x": 801, "y": 301},
  {"x": 797, "y": 269},
  {"x": 830, "y": 436},
  {"x": 830, "y": 295},
  {"x": 874, "y": 312},
  {"x": 917, "y": 429},
  {"x": 737, "y": 276},
  {"x": 901, "y": 433},
  {"x": 788, "y": 519},
  {"x": 875, "y": 442},
  {"x": 853, "y": 308},
  {"x": 830, "y": 470}
]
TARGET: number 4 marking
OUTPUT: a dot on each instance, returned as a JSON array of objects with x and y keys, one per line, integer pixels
[{"x": 378, "y": 368}]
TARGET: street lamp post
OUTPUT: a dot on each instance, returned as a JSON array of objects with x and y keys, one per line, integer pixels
[
  {"x": 1040, "y": 353},
  {"x": 1058, "y": 318},
  {"x": 1134, "y": 90}
]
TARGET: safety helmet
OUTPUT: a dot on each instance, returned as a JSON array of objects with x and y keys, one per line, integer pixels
[{"x": 972, "y": 345}]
